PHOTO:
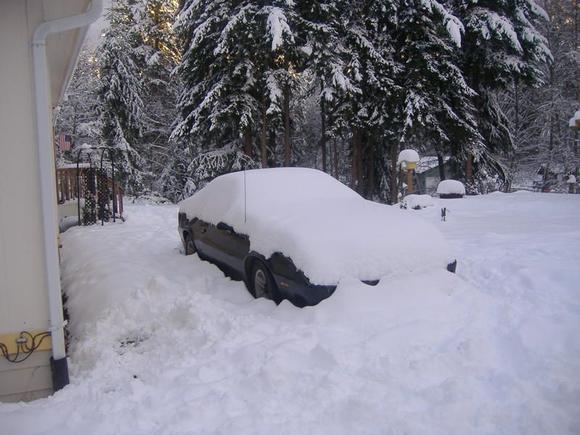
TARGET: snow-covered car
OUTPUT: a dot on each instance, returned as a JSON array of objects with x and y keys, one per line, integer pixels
[{"x": 295, "y": 233}]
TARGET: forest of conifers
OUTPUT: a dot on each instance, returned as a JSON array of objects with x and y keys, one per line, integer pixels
[{"x": 185, "y": 91}]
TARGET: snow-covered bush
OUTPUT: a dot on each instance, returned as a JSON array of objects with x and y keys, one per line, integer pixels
[{"x": 417, "y": 202}]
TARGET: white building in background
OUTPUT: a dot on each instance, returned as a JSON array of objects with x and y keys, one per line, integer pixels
[{"x": 39, "y": 44}]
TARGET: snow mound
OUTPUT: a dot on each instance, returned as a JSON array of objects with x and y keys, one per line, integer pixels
[
  {"x": 165, "y": 344},
  {"x": 451, "y": 187},
  {"x": 328, "y": 230},
  {"x": 571, "y": 179},
  {"x": 408, "y": 156},
  {"x": 416, "y": 202}
]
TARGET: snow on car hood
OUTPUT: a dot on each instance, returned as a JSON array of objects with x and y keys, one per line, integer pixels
[{"x": 328, "y": 230}]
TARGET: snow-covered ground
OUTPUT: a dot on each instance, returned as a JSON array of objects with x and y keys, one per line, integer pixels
[{"x": 164, "y": 344}]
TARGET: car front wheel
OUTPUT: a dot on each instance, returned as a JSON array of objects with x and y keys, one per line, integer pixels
[{"x": 262, "y": 282}]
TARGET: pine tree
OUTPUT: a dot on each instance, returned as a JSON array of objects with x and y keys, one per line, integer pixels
[
  {"x": 77, "y": 114},
  {"x": 502, "y": 43},
  {"x": 219, "y": 74},
  {"x": 322, "y": 28},
  {"x": 160, "y": 54},
  {"x": 538, "y": 117},
  {"x": 122, "y": 113},
  {"x": 137, "y": 95},
  {"x": 435, "y": 102},
  {"x": 363, "y": 83},
  {"x": 558, "y": 98},
  {"x": 240, "y": 66}
]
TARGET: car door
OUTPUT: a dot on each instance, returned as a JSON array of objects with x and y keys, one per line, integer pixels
[
  {"x": 222, "y": 245},
  {"x": 202, "y": 237},
  {"x": 232, "y": 247}
]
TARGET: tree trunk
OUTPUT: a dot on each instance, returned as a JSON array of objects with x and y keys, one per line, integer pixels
[
  {"x": 441, "y": 163},
  {"x": 287, "y": 141},
  {"x": 577, "y": 168},
  {"x": 356, "y": 162},
  {"x": 394, "y": 187},
  {"x": 335, "y": 158},
  {"x": 371, "y": 180},
  {"x": 469, "y": 169},
  {"x": 272, "y": 146},
  {"x": 248, "y": 142},
  {"x": 323, "y": 133},
  {"x": 516, "y": 136},
  {"x": 264, "y": 136}
]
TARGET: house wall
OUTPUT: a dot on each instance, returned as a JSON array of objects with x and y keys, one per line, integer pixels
[
  {"x": 23, "y": 293},
  {"x": 23, "y": 290}
]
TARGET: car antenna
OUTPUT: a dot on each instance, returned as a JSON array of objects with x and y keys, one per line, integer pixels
[{"x": 245, "y": 215}]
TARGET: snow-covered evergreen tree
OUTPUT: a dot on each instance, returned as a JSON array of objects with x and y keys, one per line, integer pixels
[
  {"x": 137, "y": 96},
  {"x": 240, "y": 63},
  {"x": 560, "y": 96},
  {"x": 434, "y": 100},
  {"x": 122, "y": 114},
  {"x": 160, "y": 55},
  {"x": 502, "y": 43},
  {"x": 321, "y": 83},
  {"x": 77, "y": 115},
  {"x": 360, "y": 84},
  {"x": 538, "y": 116},
  {"x": 217, "y": 101}
]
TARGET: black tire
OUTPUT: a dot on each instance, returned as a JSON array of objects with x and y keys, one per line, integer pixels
[
  {"x": 190, "y": 248},
  {"x": 261, "y": 283}
]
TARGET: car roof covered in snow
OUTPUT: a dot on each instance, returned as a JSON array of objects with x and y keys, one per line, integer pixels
[{"x": 327, "y": 229}]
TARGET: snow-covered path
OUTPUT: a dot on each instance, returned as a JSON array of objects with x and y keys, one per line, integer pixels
[
  {"x": 523, "y": 251},
  {"x": 164, "y": 344}
]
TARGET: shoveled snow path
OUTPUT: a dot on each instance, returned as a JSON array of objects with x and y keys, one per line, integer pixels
[{"x": 164, "y": 344}]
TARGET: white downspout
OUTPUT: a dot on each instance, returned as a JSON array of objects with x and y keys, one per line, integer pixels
[{"x": 45, "y": 160}]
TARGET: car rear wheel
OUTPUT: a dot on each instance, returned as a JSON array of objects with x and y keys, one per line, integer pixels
[
  {"x": 261, "y": 281},
  {"x": 190, "y": 248}
]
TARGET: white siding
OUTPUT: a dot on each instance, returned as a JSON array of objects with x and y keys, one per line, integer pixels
[{"x": 23, "y": 292}]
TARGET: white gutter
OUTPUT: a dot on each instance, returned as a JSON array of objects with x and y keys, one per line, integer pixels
[{"x": 45, "y": 161}]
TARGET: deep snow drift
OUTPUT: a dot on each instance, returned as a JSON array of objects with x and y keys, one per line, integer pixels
[{"x": 164, "y": 344}]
